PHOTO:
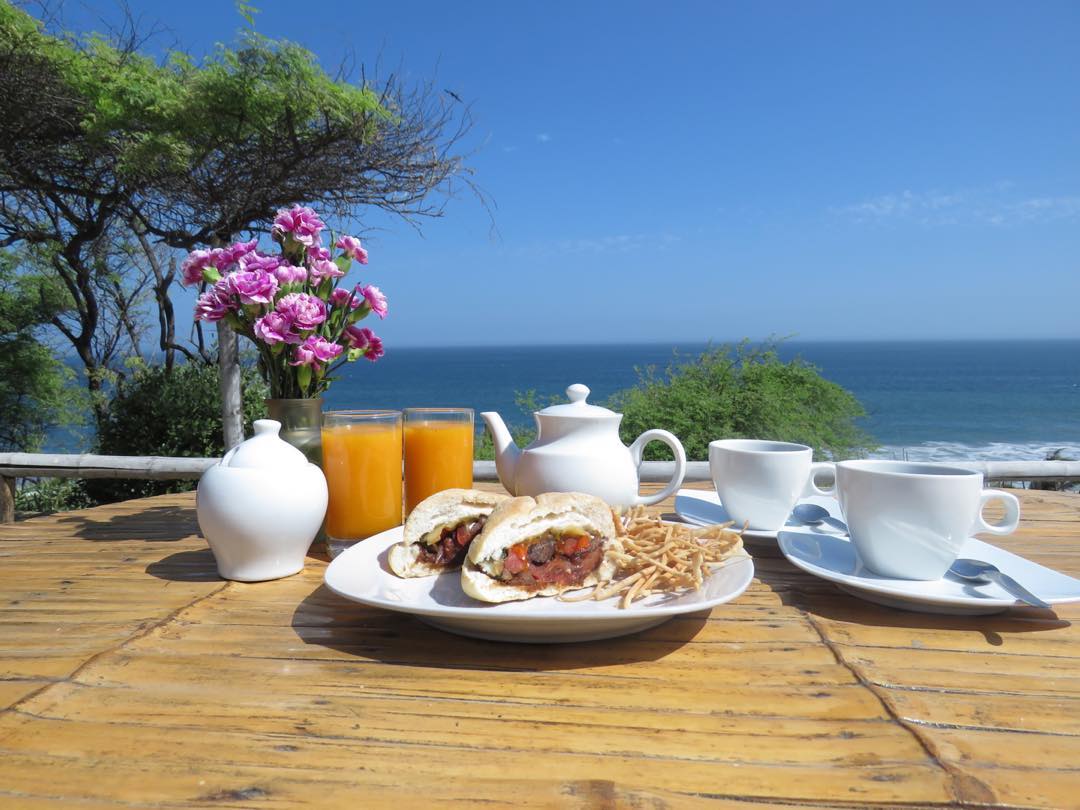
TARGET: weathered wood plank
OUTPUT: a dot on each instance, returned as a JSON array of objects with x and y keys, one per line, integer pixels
[{"x": 451, "y": 762}]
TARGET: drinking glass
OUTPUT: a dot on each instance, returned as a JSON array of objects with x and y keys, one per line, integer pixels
[
  {"x": 438, "y": 451},
  {"x": 362, "y": 462}
]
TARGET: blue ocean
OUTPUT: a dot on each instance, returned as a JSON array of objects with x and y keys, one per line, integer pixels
[{"x": 991, "y": 400}]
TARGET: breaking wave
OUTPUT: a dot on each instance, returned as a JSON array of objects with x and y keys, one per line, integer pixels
[{"x": 992, "y": 451}]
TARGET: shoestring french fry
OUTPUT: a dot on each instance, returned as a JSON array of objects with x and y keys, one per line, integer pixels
[{"x": 655, "y": 557}]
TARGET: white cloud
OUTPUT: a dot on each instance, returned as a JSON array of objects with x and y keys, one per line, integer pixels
[
  {"x": 997, "y": 205},
  {"x": 543, "y": 137},
  {"x": 509, "y": 148}
]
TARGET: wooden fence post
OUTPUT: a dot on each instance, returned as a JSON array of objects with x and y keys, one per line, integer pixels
[
  {"x": 232, "y": 421},
  {"x": 7, "y": 500}
]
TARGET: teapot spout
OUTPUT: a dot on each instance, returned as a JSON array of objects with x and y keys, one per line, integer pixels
[{"x": 507, "y": 452}]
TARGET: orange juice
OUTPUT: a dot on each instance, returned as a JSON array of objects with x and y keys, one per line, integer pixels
[
  {"x": 438, "y": 456},
  {"x": 362, "y": 462}
]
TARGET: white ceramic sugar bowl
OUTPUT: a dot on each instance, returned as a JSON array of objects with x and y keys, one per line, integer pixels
[{"x": 260, "y": 507}]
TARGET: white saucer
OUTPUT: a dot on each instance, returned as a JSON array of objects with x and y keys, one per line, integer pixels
[
  {"x": 362, "y": 574},
  {"x": 702, "y": 507},
  {"x": 833, "y": 558}
]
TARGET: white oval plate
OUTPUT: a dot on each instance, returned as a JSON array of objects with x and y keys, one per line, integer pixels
[
  {"x": 362, "y": 574},
  {"x": 833, "y": 558}
]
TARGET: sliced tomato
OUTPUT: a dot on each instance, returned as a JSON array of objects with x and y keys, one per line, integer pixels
[
  {"x": 515, "y": 558},
  {"x": 572, "y": 544},
  {"x": 461, "y": 535}
]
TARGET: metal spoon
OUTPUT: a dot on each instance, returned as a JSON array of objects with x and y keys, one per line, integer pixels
[
  {"x": 979, "y": 571},
  {"x": 811, "y": 514}
]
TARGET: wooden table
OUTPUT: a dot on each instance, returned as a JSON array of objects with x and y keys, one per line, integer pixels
[{"x": 130, "y": 675}]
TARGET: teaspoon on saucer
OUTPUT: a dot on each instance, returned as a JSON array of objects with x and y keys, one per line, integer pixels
[
  {"x": 811, "y": 514},
  {"x": 979, "y": 571}
]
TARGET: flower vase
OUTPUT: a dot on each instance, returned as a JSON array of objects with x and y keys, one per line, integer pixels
[{"x": 301, "y": 424}]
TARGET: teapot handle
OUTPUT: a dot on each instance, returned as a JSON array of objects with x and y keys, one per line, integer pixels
[{"x": 638, "y": 447}]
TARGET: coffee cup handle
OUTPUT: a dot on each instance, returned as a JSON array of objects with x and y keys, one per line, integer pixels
[
  {"x": 638, "y": 447},
  {"x": 1012, "y": 512},
  {"x": 811, "y": 487}
]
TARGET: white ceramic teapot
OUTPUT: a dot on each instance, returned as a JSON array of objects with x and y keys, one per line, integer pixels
[
  {"x": 577, "y": 449},
  {"x": 261, "y": 506}
]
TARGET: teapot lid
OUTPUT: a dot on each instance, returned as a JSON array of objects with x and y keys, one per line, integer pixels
[
  {"x": 577, "y": 406},
  {"x": 265, "y": 449}
]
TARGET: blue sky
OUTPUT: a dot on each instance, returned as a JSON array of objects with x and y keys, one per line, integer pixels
[{"x": 710, "y": 171}]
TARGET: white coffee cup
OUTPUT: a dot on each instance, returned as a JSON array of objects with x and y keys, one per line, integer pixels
[
  {"x": 759, "y": 481},
  {"x": 908, "y": 520}
]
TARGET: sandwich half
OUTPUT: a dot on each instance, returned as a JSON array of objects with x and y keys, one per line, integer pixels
[
  {"x": 540, "y": 547},
  {"x": 439, "y": 530}
]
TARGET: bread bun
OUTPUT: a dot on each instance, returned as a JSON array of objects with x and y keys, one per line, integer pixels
[
  {"x": 524, "y": 518},
  {"x": 451, "y": 507}
]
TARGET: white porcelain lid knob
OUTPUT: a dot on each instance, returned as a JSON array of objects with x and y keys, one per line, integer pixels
[
  {"x": 264, "y": 426},
  {"x": 577, "y": 407},
  {"x": 577, "y": 393}
]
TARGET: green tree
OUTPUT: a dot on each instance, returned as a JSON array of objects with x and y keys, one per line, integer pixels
[
  {"x": 33, "y": 384},
  {"x": 105, "y": 154},
  {"x": 743, "y": 391},
  {"x": 154, "y": 412}
]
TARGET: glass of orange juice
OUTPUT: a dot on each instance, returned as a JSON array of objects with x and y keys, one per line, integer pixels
[
  {"x": 438, "y": 451},
  {"x": 362, "y": 463}
]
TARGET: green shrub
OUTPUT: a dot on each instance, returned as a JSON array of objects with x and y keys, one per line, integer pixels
[
  {"x": 737, "y": 391},
  {"x": 522, "y": 434},
  {"x": 51, "y": 495},
  {"x": 743, "y": 392},
  {"x": 155, "y": 413}
]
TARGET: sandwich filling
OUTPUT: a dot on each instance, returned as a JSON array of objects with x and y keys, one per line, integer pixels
[
  {"x": 448, "y": 545},
  {"x": 556, "y": 557}
]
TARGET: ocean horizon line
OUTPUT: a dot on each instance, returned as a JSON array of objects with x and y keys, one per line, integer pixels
[
  {"x": 792, "y": 341},
  {"x": 154, "y": 356}
]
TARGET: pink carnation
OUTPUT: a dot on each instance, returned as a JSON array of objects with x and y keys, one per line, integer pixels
[
  {"x": 316, "y": 252},
  {"x": 273, "y": 328},
  {"x": 303, "y": 311},
  {"x": 215, "y": 303},
  {"x": 289, "y": 274},
  {"x": 324, "y": 268},
  {"x": 254, "y": 287},
  {"x": 192, "y": 268},
  {"x": 364, "y": 339},
  {"x": 301, "y": 222},
  {"x": 315, "y": 350},
  {"x": 259, "y": 261},
  {"x": 225, "y": 258},
  {"x": 375, "y": 299},
  {"x": 341, "y": 297},
  {"x": 351, "y": 246}
]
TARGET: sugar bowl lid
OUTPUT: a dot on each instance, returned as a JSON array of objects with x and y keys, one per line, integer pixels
[
  {"x": 266, "y": 449},
  {"x": 577, "y": 407}
]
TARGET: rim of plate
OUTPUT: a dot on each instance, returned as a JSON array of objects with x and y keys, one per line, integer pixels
[{"x": 376, "y": 544}]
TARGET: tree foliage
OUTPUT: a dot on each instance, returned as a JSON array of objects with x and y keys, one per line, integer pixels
[
  {"x": 743, "y": 391},
  {"x": 106, "y": 155},
  {"x": 33, "y": 384}
]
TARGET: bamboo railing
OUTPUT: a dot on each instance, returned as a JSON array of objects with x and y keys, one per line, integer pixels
[{"x": 50, "y": 465}]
